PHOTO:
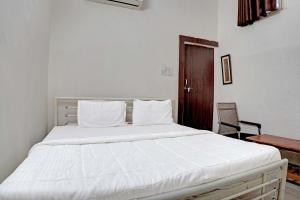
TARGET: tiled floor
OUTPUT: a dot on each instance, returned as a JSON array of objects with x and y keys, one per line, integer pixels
[{"x": 292, "y": 192}]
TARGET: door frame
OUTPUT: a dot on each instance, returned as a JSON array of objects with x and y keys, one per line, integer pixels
[{"x": 183, "y": 41}]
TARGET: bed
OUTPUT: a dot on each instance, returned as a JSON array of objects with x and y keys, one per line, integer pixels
[{"x": 143, "y": 162}]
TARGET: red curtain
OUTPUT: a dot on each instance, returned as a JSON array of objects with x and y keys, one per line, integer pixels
[
  {"x": 270, "y": 5},
  {"x": 250, "y": 11}
]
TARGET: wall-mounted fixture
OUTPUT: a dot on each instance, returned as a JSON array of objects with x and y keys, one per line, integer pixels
[{"x": 133, "y": 4}]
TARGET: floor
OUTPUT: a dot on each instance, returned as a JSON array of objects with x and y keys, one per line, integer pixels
[{"x": 292, "y": 192}]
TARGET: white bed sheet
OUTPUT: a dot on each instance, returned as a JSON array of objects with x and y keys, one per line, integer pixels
[
  {"x": 131, "y": 165},
  {"x": 74, "y": 131}
]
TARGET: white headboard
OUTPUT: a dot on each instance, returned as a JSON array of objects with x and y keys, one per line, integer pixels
[{"x": 66, "y": 108}]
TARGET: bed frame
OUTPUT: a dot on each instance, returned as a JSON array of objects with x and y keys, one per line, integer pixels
[{"x": 263, "y": 183}]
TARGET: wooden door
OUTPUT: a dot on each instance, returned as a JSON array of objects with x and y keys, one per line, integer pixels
[{"x": 196, "y": 90}]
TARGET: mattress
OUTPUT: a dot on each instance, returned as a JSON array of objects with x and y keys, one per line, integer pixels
[{"x": 129, "y": 162}]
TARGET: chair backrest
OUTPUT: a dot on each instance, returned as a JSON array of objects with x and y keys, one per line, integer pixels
[{"x": 227, "y": 112}]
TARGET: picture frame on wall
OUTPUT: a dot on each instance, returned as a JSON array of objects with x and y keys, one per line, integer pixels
[{"x": 226, "y": 69}]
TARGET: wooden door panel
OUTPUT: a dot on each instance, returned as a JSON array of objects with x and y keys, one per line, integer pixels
[
  {"x": 196, "y": 109},
  {"x": 199, "y": 73}
]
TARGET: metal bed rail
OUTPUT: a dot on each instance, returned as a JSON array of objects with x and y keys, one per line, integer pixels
[{"x": 267, "y": 182}]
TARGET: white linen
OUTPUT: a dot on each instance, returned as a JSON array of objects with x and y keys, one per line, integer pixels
[
  {"x": 130, "y": 166},
  {"x": 101, "y": 113},
  {"x": 73, "y": 132},
  {"x": 152, "y": 112}
]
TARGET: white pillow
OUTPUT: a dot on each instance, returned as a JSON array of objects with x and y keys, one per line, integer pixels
[
  {"x": 101, "y": 113},
  {"x": 152, "y": 112}
]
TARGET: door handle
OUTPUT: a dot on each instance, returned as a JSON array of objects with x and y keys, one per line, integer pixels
[{"x": 188, "y": 89}]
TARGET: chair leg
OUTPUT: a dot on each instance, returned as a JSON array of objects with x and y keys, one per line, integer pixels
[{"x": 239, "y": 135}]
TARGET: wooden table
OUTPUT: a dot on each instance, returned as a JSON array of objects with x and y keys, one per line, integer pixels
[{"x": 283, "y": 144}]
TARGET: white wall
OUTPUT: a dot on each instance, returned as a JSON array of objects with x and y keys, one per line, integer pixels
[
  {"x": 266, "y": 68},
  {"x": 105, "y": 51},
  {"x": 24, "y": 42}
]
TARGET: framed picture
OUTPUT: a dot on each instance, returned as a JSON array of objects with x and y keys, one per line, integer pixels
[{"x": 226, "y": 69}]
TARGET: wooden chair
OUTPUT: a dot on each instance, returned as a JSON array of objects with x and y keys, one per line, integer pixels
[{"x": 229, "y": 123}]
